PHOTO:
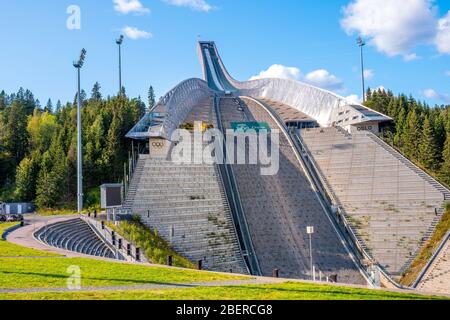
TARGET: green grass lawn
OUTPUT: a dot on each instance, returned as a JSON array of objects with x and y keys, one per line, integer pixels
[
  {"x": 286, "y": 291},
  {"x": 52, "y": 272},
  {"x": 22, "y": 272},
  {"x": 8, "y": 249}
]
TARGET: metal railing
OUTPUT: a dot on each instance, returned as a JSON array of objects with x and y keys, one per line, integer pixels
[
  {"x": 339, "y": 219},
  {"x": 431, "y": 262},
  {"x": 237, "y": 210},
  {"x": 177, "y": 105},
  {"x": 106, "y": 235},
  {"x": 342, "y": 220}
]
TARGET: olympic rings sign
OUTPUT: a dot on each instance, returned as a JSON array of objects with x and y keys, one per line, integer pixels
[{"x": 158, "y": 145}]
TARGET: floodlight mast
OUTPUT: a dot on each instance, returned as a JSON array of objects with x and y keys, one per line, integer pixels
[
  {"x": 78, "y": 65},
  {"x": 119, "y": 42},
  {"x": 361, "y": 43}
]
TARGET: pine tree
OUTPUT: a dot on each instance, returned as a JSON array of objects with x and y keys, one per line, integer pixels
[
  {"x": 2, "y": 100},
  {"x": 151, "y": 98},
  {"x": 445, "y": 167},
  {"x": 400, "y": 126},
  {"x": 49, "y": 106},
  {"x": 123, "y": 92},
  {"x": 83, "y": 98},
  {"x": 29, "y": 102},
  {"x": 369, "y": 94},
  {"x": 58, "y": 106},
  {"x": 412, "y": 135},
  {"x": 15, "y": 133},
  {"x": 428, "y": 149},
  {"x": 26, "y": 177},
  {"x": 52, "y": 177},
  {"x": 95, "y": 94}
]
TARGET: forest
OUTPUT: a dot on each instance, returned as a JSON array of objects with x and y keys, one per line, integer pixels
[
  {"x": 419, "y": 131},
  {"x": 38, "y": 145}
]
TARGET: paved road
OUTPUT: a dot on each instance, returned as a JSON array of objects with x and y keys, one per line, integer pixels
[{"x": 24, "y": 236}]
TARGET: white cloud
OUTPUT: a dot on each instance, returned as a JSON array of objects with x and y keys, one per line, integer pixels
[
  {"x": 130, "y": 6},
  {"x": 368, "y": 74},
  {"x": 447, "y": 73},
  {"x": 320, "y": 78},
  {"x": 411, "y": 57},
  {"x": 433, "y": 94},
  {"x": 198, "y": 5},
  {"x": 393, "y": 27},
  {"x": 135, "y": 33},
  {"x": 323, "y": 79},
  {"x": 279, "y": 71},
  {"x": 443, "y": 35},
  {"x": 353, "y": 99}
]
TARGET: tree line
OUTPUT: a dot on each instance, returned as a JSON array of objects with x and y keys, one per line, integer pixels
[
  {"x": 419, "y": 131},
  {"x": 38, "y": 144}
]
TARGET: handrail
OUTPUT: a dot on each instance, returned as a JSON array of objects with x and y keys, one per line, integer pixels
[
  {"x": 416, "y": 169},
  {"x": 432, "y": 260},
  {"x": 323, "y": 190},
  {"x": 342, "y": 215},
  {"x": 346, "y": 224},
  {"x": 236, "y": 231},
  {"x": 238, "y": 214},
  {"x": 329, "y": 193}
]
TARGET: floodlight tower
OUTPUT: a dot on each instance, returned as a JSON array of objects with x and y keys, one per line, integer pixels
[
  {"x": 119, "y": 42},
  {"x": 78, "y": 65},
  {"x": 361, "y": 43}
]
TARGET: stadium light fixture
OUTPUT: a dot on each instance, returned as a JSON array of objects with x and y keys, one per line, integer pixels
[
  {"x": 361, "y": 43},
  {"x": 119, "y": 42},
  {"x": 78, "y": 65}
]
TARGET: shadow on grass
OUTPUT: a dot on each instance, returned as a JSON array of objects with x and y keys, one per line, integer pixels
[{"x": 83, "y": 278}]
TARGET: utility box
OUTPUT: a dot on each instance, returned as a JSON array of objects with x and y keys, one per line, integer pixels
[{"x": 111, "y": 195}]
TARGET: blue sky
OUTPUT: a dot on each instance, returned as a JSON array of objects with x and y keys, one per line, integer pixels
[{"x": 314, "y": 41}]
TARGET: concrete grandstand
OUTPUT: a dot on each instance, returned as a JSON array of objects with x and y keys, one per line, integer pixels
[{"x": 372, "y": 209}]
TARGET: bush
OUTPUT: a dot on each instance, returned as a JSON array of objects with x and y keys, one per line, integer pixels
[{"x": 156, "y": 249}]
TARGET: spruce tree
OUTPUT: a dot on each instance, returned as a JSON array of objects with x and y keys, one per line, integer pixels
[
  {"x": 26, "y": 177},
  {"x": 412, "y": 135},
  {"x": 15, "y": 133},
  {"x": 151, "y": 98},
  {"x": 58, "y": 106},
  {"x": 95, "y": 94},
  {"x": 2, "y": 100},
  {"x": 400, "y": 126},
  {"x": 52, "y": 177},
  {"x": 445, "y": 167},
  {"x": 49, "y": 106},
  {"x": 428, "y": 149}
]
